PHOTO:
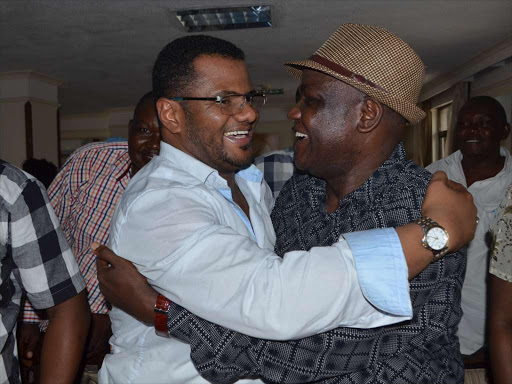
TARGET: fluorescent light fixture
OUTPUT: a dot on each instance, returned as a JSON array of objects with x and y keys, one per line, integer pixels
[{"x": 220, "y": 19}]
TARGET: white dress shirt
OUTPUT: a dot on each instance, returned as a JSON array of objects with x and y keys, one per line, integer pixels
[
  {"x": 178, "y": 224},
  {"x": 487, "y": 195}
]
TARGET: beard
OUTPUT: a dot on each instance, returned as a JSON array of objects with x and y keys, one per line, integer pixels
[{"x": 213, "y": 153}]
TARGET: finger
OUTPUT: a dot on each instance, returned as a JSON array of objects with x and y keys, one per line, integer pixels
[
  {"x": 439, "y": 176},
  {"x": 104, "y": 253},
  {"x": 101, "y": 264},
  {"x": 456, "y": 186}
]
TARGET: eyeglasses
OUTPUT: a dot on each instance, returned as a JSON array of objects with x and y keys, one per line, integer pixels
[{"x": 233, "y": 104}]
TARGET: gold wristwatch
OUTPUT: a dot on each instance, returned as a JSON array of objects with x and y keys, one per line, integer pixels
[{"x": 435, "y": 237}]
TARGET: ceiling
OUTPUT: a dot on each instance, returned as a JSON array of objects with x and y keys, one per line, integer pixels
[{"x": 103, "y": 51}]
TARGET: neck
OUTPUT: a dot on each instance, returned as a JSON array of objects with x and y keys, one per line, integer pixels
[
  {"x": 134, "y": 169},
  {"x": 477, "y": 168},
  {"x": 356, "y": 175},
  {"x": 230, "y": 178},
  {"x": 488, "y": 160}
]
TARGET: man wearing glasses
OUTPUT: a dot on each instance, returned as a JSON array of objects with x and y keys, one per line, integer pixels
[{"x": 196, "y": 223}]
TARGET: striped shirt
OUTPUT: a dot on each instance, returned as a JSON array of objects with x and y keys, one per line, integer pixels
[{"x": 84, "y": 196}]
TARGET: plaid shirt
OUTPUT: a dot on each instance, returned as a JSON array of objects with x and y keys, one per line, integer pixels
[
  {"x": 277, "y": 168},
  {"x": 34, "y": 258},
  {"x": 84, "y": 196}
]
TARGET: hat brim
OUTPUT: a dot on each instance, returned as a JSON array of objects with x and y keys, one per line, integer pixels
[{"x": 409, "y": 111}]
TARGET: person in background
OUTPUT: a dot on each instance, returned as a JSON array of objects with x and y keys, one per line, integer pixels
[
  {"x": 500, "y": 293},
  {"x": 35, "y": 259},
  {"x": 42, "y": 169},
  {"x": 84, "y": 195},
  {"x": 485, "y": 169}
]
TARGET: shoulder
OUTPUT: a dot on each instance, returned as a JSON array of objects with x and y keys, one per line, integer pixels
[
  {"x": 397, "y": 191},
  {"x": 13, "y": 181},
  {"x": 445, "y": 164},
  {"x": 413, "y": 175},
  {"x": 409, "y": 182},
  {"x": 99, "y": 153},
  {"x": 158, "y": 184}
]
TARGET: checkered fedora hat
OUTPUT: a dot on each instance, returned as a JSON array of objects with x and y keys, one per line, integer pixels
[{"x": 374, "y": 61}]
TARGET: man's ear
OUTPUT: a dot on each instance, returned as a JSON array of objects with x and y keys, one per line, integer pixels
[
  {"x": 506, "y": 131},
  {"x": 171, "y": 115},
  {"x": 370, "y": 115}
]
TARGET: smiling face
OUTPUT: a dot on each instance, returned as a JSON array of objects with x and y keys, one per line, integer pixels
[
  {"x": 480, "y": 128},
  {"x": 325, "y": 120},
  {"x": 224, "y": 142},
  {"x": 143, "y": 134}
]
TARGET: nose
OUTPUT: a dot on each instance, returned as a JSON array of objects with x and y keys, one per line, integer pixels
[
  {"x": 294, "y": 113},
  {"x": 247, "y": 113},
  {"x": 154, "y": 141}
]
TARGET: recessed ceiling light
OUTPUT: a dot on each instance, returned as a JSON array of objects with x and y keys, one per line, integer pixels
[{"x": 220, "y": 19}]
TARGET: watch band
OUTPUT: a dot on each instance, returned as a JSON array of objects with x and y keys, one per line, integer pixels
[
  {"x": 426, "y": 223},
  {"x": 162, "y": 306}
]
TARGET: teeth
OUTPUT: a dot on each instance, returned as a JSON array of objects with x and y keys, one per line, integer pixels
[
  {"x": 300, "y": 135},
  {"x": 236, "y": 133},
  {"x": 472, "y": 141}
]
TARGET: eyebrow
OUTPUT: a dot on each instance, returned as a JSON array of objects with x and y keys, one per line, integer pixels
[{"x": 233, "y": 93}]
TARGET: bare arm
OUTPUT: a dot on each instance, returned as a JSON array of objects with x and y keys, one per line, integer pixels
[
  {"x": 64, "y": 341},
  {"x": 500, "y": 329}
]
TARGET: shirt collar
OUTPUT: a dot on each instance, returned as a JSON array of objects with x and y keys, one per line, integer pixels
[
  {"x": 390, "y": 168},
  {"x": 366, "y": 192},
  {"x": 456, "y": 159},
  {"x": 204, "y": 173}
]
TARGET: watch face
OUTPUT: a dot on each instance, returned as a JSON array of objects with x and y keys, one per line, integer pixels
[{"x": 437, "y": 238}]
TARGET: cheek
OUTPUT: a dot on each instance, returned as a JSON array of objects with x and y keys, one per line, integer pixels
[{"x": 138, "y": 145}]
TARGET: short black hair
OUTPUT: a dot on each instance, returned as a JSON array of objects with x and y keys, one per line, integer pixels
[
  {"x": 173, "y": 71},
  {"x": 42, "y": 169},
  {"x": 493, "y": 103}
]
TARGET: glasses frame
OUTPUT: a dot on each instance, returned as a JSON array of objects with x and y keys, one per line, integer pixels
[{"x": 218, "y": 100}]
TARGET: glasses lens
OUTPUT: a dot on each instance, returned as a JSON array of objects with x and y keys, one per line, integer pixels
[
  {"x": 257, "y": 101},
  {"x": 233, "y": 104}
]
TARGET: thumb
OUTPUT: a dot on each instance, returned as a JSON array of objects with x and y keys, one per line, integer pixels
[
  {"x": 439, "y": 176},
  {"x": 103, "y": 253}
]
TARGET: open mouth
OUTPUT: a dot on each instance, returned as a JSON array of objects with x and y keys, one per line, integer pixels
[
  {"x": 300, "y": 135},
  {"x": 472, "y": 141},
  {"x": 239, "y": 138},
  {"x": 237, "y": 134}
]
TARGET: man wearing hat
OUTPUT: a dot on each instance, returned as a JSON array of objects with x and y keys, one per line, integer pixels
[{"x": 356, "y": 94}]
